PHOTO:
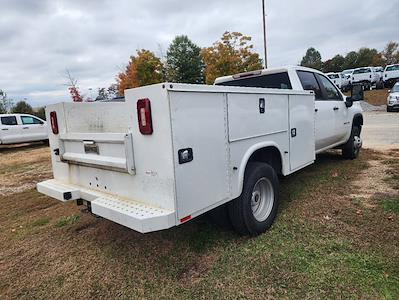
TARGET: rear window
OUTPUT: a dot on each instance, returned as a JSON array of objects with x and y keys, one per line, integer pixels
[
  {"x": 393, "y": 68},
  {"x": 362, "y": 71},
  {"x": 271, "y": 81},
  {"x": 9, "y": 120}
]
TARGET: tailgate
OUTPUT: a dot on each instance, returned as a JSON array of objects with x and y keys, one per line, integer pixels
[
  {"x": 110, "y": 151},
  {"x": 97, "y": 135}
]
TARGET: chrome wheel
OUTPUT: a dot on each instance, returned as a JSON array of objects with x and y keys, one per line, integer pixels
[{"x": 262, "y": 199}]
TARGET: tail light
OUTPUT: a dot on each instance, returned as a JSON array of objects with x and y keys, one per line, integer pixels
[
  {"x": 144, "y": 116},
  {"x": 54, "y": 122}
]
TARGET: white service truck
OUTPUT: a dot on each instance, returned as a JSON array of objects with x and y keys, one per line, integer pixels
[{"x": 172, "y": 152}]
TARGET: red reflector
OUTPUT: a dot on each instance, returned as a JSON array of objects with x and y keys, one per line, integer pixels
[
  {"x": 144, "y": 116},
  {"x": 54, "y": 122},
  {"x": 185, "y": 219}
]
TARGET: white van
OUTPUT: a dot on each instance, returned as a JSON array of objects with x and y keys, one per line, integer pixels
[{"x": 22, "y": 128}]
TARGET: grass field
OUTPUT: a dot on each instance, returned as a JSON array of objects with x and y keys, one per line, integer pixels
[{"x": 337, "y": 236}]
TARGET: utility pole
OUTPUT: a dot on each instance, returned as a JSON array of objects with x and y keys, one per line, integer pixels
[{"x": 264, "y": 31}]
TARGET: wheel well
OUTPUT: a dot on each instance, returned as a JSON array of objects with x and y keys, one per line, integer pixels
[
  {"x": 269, "y": 155},
  {"x": 358, "y": 121}
]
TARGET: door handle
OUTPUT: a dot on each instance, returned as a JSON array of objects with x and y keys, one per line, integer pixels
[
  {"x": 5, "y": 129},
  {"x": 336, "y": 108},
  {"x": 25, "y": 128}
]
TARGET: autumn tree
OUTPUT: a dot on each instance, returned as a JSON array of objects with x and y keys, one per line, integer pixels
[
  {"x": 312, "y": 59},
  {"x": 143, "y": 69},
  {"x": 22, "y": 107},
  {"x": 73, "y": 88},
  {"x": 232, "y": 54},
  {"x": 184, "y": 62},
  {"x": 391, "y": 53},
  {"x": 369, "y": 57}
]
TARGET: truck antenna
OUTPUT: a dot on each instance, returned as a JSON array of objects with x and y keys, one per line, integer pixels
[{"x": 264, "y": 31}]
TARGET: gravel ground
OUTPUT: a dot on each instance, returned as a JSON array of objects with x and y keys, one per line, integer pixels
[
  {"x": 381, "y": 130},
  {"x": 369, "y": 107}
]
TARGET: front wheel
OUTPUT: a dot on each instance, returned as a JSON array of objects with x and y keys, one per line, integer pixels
[
  {"x": 352, "y": 147},
  {"x": 255, "y": 210}
]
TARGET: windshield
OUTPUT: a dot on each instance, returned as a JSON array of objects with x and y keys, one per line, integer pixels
[
  {"x": 393, "y": 68},
  {"x": 395, "y": 88}
]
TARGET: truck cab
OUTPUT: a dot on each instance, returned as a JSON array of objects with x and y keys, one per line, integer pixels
[
  {"x": 334, "y": 115},
  {"x": 22, "y": 128},
  {"x": 391, "y": 75}
]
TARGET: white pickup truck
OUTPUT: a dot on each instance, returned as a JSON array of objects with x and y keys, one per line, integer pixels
[
  {"x": 391, "y": 75},
  {"x": 22, "y": 128},
  {"x": 172, "y": 152},
  {"x": 366, "y": 76},
  {"x": 340, "y": 80}
]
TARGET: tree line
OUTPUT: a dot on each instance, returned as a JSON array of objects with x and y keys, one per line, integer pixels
[
  {"x": 364, "y": 57},
  {"x": 7, "y": 105},
  {"x": 186, "y": 62}
]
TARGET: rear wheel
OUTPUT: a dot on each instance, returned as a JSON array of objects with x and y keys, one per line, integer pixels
[
  {"x": 389, "y": 109},
  {"x": 352, "y": 147},
  {"x": 255, "y": 210}
]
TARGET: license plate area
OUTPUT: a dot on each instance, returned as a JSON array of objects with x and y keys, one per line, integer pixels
[
  {"x": 109, "y": 151},
  {"x": 91, "y": 147}
]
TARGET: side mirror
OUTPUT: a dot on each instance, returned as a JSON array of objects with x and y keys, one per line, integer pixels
[
  {"x": 348, "y": 102},
  {"x": 357, "y": 92}
]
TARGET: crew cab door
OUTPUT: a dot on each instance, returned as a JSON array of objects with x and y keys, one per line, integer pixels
[
  {"x": 33, "y": 129},
  {"x": 324, "y": 110},
  {"x": 332, "y": 96},
  {"x": 10, "y": 130}
]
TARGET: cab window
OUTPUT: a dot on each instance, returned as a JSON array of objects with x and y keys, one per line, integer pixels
[
  {"x": 27, "y": 120},
  {"x": 271, "y": 81},
  {"x": 309, "y": 83},
  {"x": 9, "y": 121},
  {"x": 331, "y": 91}
]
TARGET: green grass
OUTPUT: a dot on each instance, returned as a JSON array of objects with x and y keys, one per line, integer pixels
[
  {"x": 67, "y": 221},
  {"x": 40, "y": 222},
  {"x": 391, "y": 204}
]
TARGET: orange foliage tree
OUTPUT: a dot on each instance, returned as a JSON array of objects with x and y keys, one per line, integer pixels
[
  {"x": 232, "y": 54},
  {"x": 143, "y": 69}
]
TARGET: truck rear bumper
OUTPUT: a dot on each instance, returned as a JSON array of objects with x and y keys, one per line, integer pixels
[{"x": 132, "y": 214}]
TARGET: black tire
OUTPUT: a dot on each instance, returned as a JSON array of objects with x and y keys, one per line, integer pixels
[
  {"x": 389, "y": 109},
  {"x": 349, "y": 150},
  {"x": 240, "y": 210}
]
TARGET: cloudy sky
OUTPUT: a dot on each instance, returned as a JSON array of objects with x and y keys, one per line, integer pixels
[{"x": 39, "y": 39}]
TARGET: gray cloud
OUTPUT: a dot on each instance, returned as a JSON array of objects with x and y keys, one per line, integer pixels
[{"x": 94, "y": 38}]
